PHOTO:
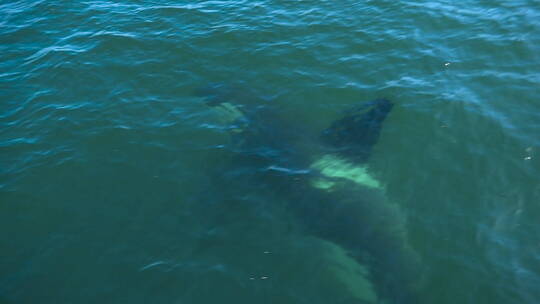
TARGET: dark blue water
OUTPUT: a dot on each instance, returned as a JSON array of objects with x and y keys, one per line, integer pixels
[{"x": 120, "y": 184}]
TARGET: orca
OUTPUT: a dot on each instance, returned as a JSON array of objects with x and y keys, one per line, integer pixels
[{"x": 326, "y": 183}]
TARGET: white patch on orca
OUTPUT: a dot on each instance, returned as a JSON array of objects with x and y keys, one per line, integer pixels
[
  {"x": 229, "y": 112},
  {"x": 332, "y": 167},
  {"x": 231, "y": 116},
  {"x": 354, "y": 276}
]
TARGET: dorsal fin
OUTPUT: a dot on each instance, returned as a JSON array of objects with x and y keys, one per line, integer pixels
[{"x": 355, "y": 134}]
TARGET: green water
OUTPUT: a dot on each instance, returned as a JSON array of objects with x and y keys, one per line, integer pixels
[{"x": 117, "y": 182}]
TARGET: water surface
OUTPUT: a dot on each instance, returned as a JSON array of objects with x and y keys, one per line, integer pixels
[{"x": 109, "y": 160}]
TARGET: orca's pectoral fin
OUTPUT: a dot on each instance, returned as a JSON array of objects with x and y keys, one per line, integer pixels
[{"x": 355, "y": 134}]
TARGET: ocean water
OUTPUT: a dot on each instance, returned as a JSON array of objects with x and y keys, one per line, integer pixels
[{"x": 119, "y": 184}]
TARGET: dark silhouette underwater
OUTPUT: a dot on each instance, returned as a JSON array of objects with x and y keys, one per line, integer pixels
[{"x": 325, "y": 182}]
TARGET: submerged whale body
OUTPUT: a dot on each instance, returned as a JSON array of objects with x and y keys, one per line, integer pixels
[{"x": 327, "y": 185}]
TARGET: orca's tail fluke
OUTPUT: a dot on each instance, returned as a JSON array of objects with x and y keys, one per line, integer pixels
[{"x": 355, "y": 134}]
